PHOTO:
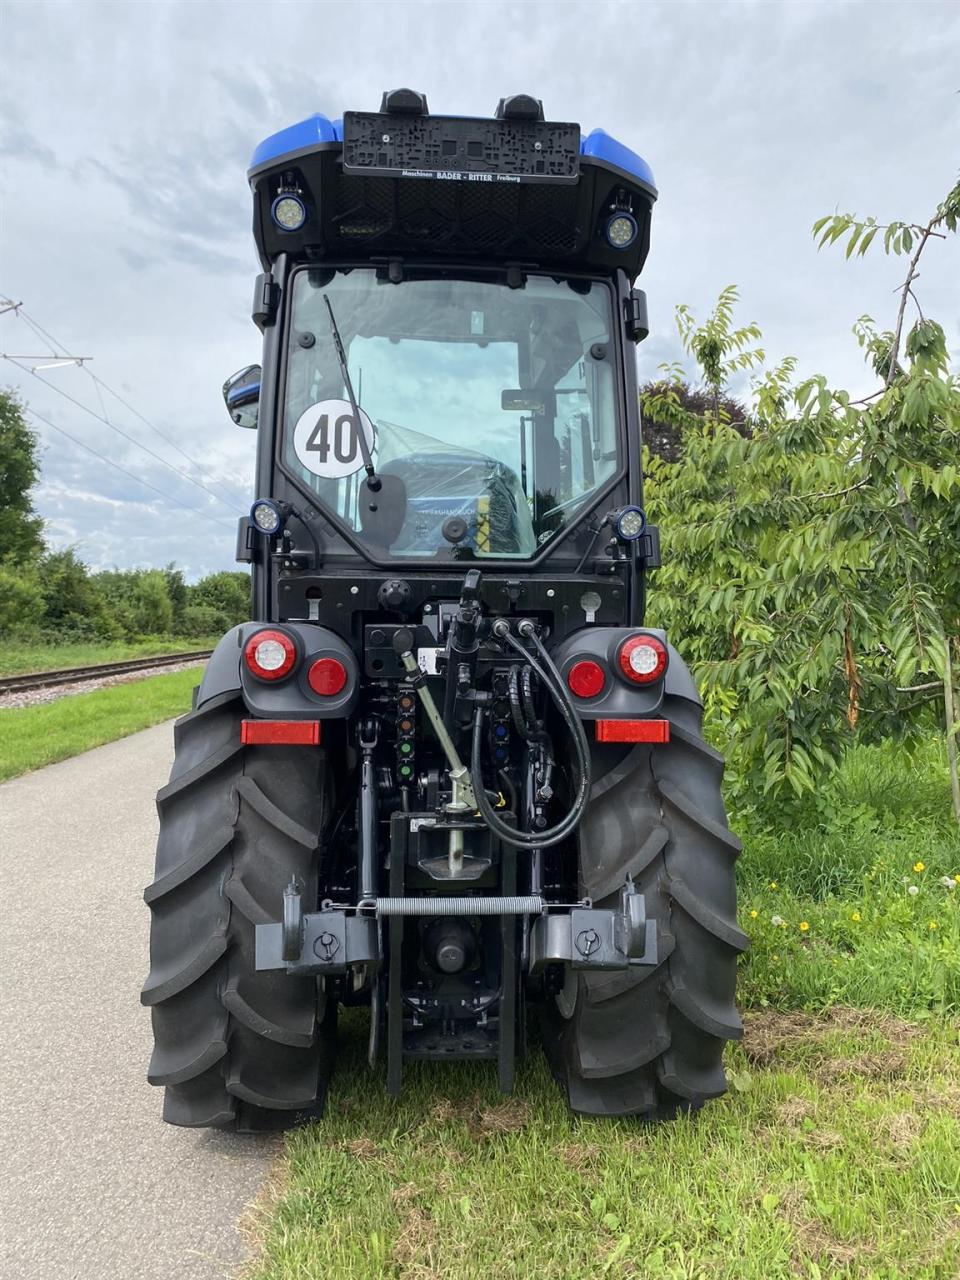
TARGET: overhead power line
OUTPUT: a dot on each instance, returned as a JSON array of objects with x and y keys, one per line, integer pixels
[
  {"x": 119, "y": 430},
  {"x": 116, "y": 465},
  {"x": 60, "y": 351},
  {"x": 242, "y": 502},
  {"x": 42, "y": 332}
]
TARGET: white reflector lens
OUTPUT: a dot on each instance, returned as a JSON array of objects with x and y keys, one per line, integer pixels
[
  {"x": 289, "y": 213},
  {"x": 643, "y": 659},
  {"x": 270, "y": 655},
  {"x": 621, "y": 230}
]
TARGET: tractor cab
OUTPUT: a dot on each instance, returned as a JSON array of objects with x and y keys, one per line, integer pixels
[{"x": 448, "y": 314}]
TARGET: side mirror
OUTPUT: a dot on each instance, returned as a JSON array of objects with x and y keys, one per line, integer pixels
[{"x": 241, "y": 395}]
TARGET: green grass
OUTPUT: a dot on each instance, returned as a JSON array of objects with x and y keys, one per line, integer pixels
[
  {"x": 834, "y": 1156},
  {"x": 880, "y": 932},
  {"x": 31, "y": 737},
  {"x": 18, "y": 657}
]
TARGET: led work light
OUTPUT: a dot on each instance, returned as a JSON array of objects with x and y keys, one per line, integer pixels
[
  {"x": 288, "y": 211},
  {"x": 629, "y": 523},
  {"x": 621, "y": 230},
  {"x": 266, "y": 516}
]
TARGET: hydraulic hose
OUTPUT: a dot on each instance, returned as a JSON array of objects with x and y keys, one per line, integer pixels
[{"x": 550, "y": 677}]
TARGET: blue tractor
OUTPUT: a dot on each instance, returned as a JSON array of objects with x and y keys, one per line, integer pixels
[{"x": 449, "y": 773}]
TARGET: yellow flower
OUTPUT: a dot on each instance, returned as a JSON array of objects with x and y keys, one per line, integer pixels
[
  {"x": 804, "y": 926},
  {"x": 855, "y": 917},
  {"x": 919, "y": 866},
  {"x": 933, "y": 925},
  {"x": 773, "y": 884},
  {"x": 957, "y": 878},
  {"x": 754, "y": 914}
]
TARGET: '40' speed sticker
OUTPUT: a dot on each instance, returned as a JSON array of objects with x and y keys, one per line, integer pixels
[{"x": 326, "y": 439}]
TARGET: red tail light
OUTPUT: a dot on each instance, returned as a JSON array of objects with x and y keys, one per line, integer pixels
[
  {"x": 270, "y": 655},
  {"x": 586, "y": 679},
  {"x": 327, "y": 676},
  {"x": 643, "y": 659}
]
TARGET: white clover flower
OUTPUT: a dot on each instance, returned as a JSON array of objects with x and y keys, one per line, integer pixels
[
  {"x": 912, "y": 890},
  {"x": 948, "y": 882},
  {"x": 777, "y": 920}
]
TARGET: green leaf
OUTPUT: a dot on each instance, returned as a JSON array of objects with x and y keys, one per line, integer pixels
[{"x": 867, "y": 240}]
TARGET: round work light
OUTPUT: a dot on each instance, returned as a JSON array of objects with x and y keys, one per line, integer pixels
[
  {"x": 630, "y": 523},
  {"x": 621, "y": 230},
  {"x": 266, "y": 516},
  {"x": 288, "y": 212}
]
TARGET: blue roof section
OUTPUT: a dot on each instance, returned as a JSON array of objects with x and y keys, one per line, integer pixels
[
  {"x": 317, "y": 129},
  {"x": 305, "y": 133},
  {"x": 598, "y": 145}
]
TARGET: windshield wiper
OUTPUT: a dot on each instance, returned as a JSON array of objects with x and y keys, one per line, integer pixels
[{"x": 373, "y": 480}]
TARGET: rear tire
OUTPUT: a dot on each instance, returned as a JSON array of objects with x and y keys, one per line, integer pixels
[
  {"x": 234, "y": 1048},
  {"x": 649, "y": 1041}
]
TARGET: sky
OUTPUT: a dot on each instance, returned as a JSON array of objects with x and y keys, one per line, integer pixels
[{"x": 126, "y": 129}]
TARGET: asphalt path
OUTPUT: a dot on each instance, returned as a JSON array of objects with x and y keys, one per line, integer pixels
[{"x": 93, "y": 1186}]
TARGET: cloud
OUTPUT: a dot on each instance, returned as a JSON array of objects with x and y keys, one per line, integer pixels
[{"x": 126, "y": 131}]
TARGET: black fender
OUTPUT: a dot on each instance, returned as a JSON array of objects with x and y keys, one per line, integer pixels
[
  {"x": 291, "y": 698},
  {"x": 619, "y": 699}
]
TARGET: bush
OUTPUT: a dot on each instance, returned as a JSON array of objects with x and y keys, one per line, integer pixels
[
  {"x": 72, "y": 601},
  {"x": 139, "y": 600},
  {"x": 203, "y": 620},
  {"x": 21, "y": 600},
  {"x": 227, "y": 592}
]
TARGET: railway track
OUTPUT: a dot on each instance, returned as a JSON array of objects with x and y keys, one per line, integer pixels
[{"x": 75, "y": 675}]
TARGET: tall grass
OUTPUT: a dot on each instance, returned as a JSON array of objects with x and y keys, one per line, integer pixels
[{"x": 870, "y": 870}]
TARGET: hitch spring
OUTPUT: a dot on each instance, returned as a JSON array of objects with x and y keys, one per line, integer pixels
[{"x": 442, "y": 905}]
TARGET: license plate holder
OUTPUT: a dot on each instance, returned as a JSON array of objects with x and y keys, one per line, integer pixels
[{"x": 458, "y": 149}]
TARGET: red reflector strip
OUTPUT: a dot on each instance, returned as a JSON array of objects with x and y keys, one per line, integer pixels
[
  {"x": 633, "y": 730},
  {"x": 293, "y": 733}
]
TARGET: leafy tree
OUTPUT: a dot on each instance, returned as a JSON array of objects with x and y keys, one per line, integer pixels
[
  {"x": 21, "y": 600},
  {"x": 677, "y": 403},
  {"x": 21, "y": 529},
  {"x": 72, "y": 602},
  {"x": 139, "y": 600},
  {"x": 154, "y": 608},
  {"x": 227, "y": 592},
  {"x": 176, "y": 593},
  {"x": 812, "y": 570}
]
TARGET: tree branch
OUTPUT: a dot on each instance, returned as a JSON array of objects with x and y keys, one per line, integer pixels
[
  {"x": 905, "y": 292},
  {"x": 835, "y": 493}
]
